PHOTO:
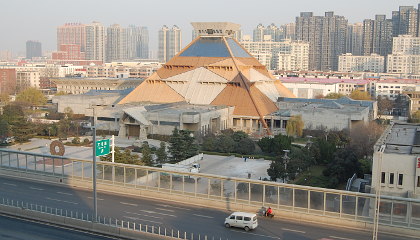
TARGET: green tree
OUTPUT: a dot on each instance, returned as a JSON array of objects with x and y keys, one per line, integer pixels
[
  {"x": 275, "y": 145},
  {"x": 334, "y": 96},
  {"x": 277, "y": 170},
  {"x": 189, "y": 146},
  {"x": 146, "y": 154},
  {"x": 176, "y": 146},
  {"x": 360, "y": 95},
  {"x": 32, "y": 96},
  {"x": 345, "y": 163},
  {"x": 225, "y": 144},
  {"x": 20, "y": 127},
  {"x": 123, "y": 156},
  {"x": 245, "y": 146},
  {"x": 161, "y": 154},
  {"x": 4, "y": 128},
  {"x": 209, "y": 143},
  {"x": 295, "y": 126}
]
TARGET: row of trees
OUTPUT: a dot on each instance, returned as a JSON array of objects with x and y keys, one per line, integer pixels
[{"x": 341, "y": 153}]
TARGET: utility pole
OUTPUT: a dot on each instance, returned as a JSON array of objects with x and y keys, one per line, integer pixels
[
  {"x": 95, "y": 207},
  {"x": 378, "y": 194}
]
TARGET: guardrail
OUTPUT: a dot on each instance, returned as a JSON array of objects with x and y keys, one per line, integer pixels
[
  {"x": 292, "y": 200},
  {"x": 104, "y": 225}
]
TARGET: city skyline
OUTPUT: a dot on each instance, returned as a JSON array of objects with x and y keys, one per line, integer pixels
[{"x": 43, "y": 29}]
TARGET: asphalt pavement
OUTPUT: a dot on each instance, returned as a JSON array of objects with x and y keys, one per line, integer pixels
[
  {"x": 171, "y": 215},
  {"x": 18, "y": 229}
]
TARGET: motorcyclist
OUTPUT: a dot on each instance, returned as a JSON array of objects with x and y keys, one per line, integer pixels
[{"x": 269, "y": 212}]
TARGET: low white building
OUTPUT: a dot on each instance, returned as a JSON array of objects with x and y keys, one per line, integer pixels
[
  {"x": 391, "y": 88},
  {"x": 350, "y": 63},
  {"x": 396, "y": 161},
  {"x": 316, "y": 87},
  {"x": 326, "y": 113},
  {"x": 77, "y": 85}
]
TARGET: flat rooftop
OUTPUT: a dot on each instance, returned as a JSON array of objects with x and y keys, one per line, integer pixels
[{"x": 402, "y": 139}]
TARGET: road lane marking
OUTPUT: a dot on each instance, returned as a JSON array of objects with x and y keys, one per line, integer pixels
[
  {"x": 168, "y": 210},
  {"x": 65, "y": 193},
  {"x": 204, "y": 216},
  {"x": 139, "y": 214},
  {"x": 164, "y": 214},
  {"x": 164, "y": 205},
  {"x": 341, "y": 238},
  {"x": 260, "y": 235},
  {"x": 99, "y": 199},
  {"x": 134, "y": 218},
  {"x": 129, "y": 204},
  {"x": 58, "y": 200},
  {"x": 292, "y": 230},
  {"x": 10, "y": 184},
  {"x": 34, "y": 188}
]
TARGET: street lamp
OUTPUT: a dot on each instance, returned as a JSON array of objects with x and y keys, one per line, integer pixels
[
  {"x": 378, "y": 193},
  {"x": 95, "y": 205}
]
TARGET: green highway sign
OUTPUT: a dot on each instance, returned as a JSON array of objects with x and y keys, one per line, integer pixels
[{"x": 102, "y": 147}]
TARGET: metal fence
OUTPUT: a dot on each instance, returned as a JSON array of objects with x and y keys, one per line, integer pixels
[
  {"x": 105, "y": 221},
  {"x": 394, "y": 211}
]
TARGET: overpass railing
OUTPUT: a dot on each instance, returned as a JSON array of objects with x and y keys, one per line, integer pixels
[{"x": 394, "y": 211}]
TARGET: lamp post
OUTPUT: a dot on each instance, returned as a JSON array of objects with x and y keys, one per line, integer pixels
[
  {"x": 378, "y": 193},
  {"x": 95, "y": 206}
]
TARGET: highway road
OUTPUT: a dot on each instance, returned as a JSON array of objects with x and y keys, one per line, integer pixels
[
  {"x": 170, "y": 215},
  {"x": 18, "y": 229}
]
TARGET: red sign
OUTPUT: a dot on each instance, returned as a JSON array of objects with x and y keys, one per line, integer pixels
[{"x": 418, "y": 162}]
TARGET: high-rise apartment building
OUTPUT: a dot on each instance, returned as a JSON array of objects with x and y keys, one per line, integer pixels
[
  {"x": 277, "y": 33},
  {"x": 72, "y": 33},
  {"x": 354, "y": 39},
  {"x": 285, "y": 55},
  {"x": 405, "y": 57},
  {"x": 33, "y": 49},
  {"x": 137, "y": 42},
  {"x": 326, "y": 36},
  {"x": 95, "y": 41},
  {"x": 288, "y": 31},
  {"x": 258, "y": 33},
  {"x": 377, "y": 36},
  {"x": 116, "y": 43},
  {"x": 406, "y": 21},
  {"x": 169, "y": 42}
]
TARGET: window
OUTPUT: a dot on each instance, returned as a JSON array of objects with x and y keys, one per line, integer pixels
[
  {"x": 400, "y": 179},
  {"x": 238, "y": 217},
  {"x": 232, "y": 217},
  {"x": 383, "y": 177},
  {"x": 391, "y": 178},
  {"x": 247, "y": 219}
]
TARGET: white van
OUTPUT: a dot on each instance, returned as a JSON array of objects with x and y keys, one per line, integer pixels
[{"x": 243, "y": 220}]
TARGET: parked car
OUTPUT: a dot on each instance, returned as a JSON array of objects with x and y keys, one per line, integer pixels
[{"x": 243, "y": 220}]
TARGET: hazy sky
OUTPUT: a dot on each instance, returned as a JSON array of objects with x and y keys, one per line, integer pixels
[{"x": 22, "y": 20}]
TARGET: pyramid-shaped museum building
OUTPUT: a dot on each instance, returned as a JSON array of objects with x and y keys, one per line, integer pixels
[{"x": 214, "y": 69}]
